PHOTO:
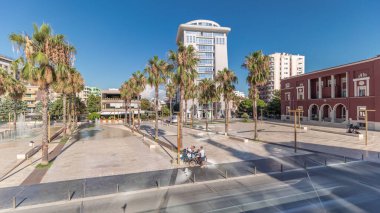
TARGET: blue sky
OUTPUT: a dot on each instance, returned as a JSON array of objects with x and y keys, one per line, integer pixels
[{"x": 116, "y": 38}]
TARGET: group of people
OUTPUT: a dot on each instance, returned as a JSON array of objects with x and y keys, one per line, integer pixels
[{"x": 193, "y": 153}]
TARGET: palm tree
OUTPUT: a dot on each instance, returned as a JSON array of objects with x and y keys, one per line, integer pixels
[
  {"x": 208, "y": 92},
  {"x": 257, "y": 65},
  {"x": 77, "y": 85},
  {"x": 62, "y": 85},
  {"x": 40, "y": 69},
  {"x": 193, "y": 94},
  {"x": 170, "y": 93},
  {"x": 226, "y": 79},
  {"x": 157, "y": 70},
  {"x": 15, "y": 91},
  {"x": 139, "y": 81},
  {"x": 192, "y": 75},
  {"x": 185, "y": 61},
  {"x": 126, "y": 93}
]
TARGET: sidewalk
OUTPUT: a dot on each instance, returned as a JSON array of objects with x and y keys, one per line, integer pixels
[{"x": 61, "y": 191}]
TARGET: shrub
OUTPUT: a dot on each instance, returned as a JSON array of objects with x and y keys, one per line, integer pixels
[
  {"x": 143, "y": 117},
  {"x": 245, "y": 116},
  {"x": 92, "y": 116},
  {"x": 152, "y": 116}
]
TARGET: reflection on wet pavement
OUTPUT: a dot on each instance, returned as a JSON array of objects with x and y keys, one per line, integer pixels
[{"x": 96, "y": 132}]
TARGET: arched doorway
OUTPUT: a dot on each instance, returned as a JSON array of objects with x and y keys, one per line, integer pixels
[
  {"x": 313, "y": 113},
  {"x": 325, "y": 113},
  {"x": 340, "y": 113}
]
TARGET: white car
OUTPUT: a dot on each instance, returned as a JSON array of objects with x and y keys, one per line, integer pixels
[{"x": 173, "y": 119}]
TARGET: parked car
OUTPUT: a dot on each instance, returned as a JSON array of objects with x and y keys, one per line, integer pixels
[{"x": 173, "y": 119}]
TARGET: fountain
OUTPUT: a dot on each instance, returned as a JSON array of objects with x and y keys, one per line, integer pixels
[{"x": 23, "y": 130}]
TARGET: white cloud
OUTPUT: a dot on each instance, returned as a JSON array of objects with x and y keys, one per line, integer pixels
[{"x": 148, "y": 93}]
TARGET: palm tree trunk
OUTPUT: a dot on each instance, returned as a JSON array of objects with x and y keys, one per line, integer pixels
[
  {"x": 192, "y": 115},
  {"x": 139, "y": 111},
  {"x": 72, "y": 112},
  {"x": 207, "y": 117},
  {"x": 185, "y": 112},
  {"x": 212, "y": 111},
  {"x": 15, "y": 114},
  {"x": 126, "y": 112},
  {"x": 226, "y": 116},
  {"x": 130, "y": 114},
  {"x": 179, "y": 123},
  {"x": 64, "y": 114},
  {"x": 156, "y": 109},
  {"x": 45, "y": 139},
  {"x": 255, "y": 111},
  {"x": 68, "y": 114},
  {"x": 75, "y": 112},
  {"x": 171, "y": 111}
]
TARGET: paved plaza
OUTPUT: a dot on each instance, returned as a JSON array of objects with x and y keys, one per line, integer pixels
[
  {"x": 317, "y": 138},
  {"x": 219, "y": 148},
  {"x": 102, "y": 151}
]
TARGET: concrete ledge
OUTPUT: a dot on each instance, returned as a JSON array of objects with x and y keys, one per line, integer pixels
[
  {"x": 360, "y": 136},
  {"x": 238, "y": 138},
  {"x": 149, "y": 143}
]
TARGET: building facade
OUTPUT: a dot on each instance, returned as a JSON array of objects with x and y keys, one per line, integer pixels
[
  {"x": 31, "y": 97},
  {"x": 210, "y": 42},
  {"x": 281, "y": 65},
  {"x": 336, "y": 95},
  {"x": 239, "y": 94},
  {"x": 113, "y": 105},
  {"x": 87, "y": 91}
]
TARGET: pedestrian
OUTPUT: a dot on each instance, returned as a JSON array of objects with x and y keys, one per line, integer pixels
[{"x": 202, "y": 155}]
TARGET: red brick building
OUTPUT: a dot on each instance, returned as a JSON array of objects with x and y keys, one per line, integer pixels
[{"x": 337, "y": 94}]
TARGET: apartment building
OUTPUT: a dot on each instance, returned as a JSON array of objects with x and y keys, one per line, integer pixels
[
  {"x": 281, "y": 65},
  {"x": 87, "y": 91}
]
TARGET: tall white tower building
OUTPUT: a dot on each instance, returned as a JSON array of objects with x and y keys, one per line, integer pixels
[
  {"x": 281, "y": 65},
  {"x": 210, "y": 41}
]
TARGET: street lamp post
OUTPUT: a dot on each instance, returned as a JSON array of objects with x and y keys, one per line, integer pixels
[
  {"x": 366, "y": 123},
  {"x": 295, "y": 112}
]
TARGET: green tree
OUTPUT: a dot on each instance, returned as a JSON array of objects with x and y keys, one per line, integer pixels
[
  {"x": 274, "y": 105},
  {"x": 93, "y": 116},
  {"x": 158, "y": 71},
  {"x": 7, "y": 108},
  {"x": 226, "y": 80},
  {"x": 56, "y": 108},
  {"x": 165, "y": 111},
  {"x": 93, "y": 103},
  {"x": 257, "y": 65},
  {"x": 146, "y": 105},
  {"x": 245, "y": 106}
]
